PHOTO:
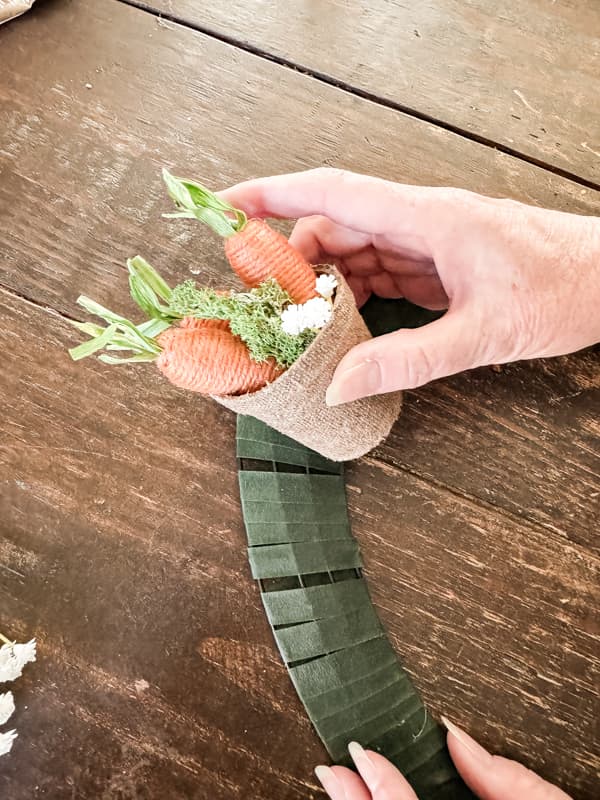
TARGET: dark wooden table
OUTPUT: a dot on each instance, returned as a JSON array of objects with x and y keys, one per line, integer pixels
[{"x": 122, "y": 547}]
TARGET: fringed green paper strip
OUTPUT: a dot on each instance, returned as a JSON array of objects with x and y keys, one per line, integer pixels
[
  {"x": 255, "y": 440},
  {"x": 345, "y": 671}
]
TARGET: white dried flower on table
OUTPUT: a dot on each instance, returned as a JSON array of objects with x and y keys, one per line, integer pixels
[
  {"x": 317, "y": 312},
  {"x": 7, "y": 706},
  {"x": 6, "y": 742},
  {"x": 326, "y": 285},
  {"x": 13, "y": 658}
]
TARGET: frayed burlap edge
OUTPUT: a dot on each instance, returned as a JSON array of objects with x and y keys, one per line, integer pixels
[{"x": 294, "y": 404}]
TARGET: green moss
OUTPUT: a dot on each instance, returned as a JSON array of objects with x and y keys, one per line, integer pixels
[{"x": 254, "y": 316}]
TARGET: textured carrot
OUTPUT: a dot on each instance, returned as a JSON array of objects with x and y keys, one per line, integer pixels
[
  {"x": 257, "y": 252},
  {"x": 193, "y": 323},
  {"x": 211, "y": 360}
]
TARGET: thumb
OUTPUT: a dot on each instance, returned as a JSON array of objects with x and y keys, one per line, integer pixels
[
  {"x": 406, "y": 359},
  {"x": 494, "y": 777}
]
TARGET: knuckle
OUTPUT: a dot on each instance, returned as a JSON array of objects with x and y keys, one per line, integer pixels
[
  {"x": 461, "y": 198},
  {"x": 419, "y": 367},
  {"x": 310, "y": 223},
  {"x": 526, "y": 782},
  {"x": 330, "y": 174},
  {"x": 411, "y": 368}
]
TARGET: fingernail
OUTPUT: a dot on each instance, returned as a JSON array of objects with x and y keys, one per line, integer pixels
[
  {"x": 365, "y": 766},
  {"x": 359, "y": 381},
  {"x": 476, "y": 750},
  {"x": 330, "y": 783}
]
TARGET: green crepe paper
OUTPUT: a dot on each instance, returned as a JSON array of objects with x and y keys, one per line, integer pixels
[
  {"x": 343, "y": 668},
  {"x": 272, "y": 497},
  {"x": 398, "y": 700},
  {"x": 293, "y": 489},
  {"x": 302, "y": 551},
  {"x": 334, "y": 701},
  {"x": 282, "y": 532},
  {"x": 257, "y": 441},
  {"x": 311, "y": 639},
  {"x": 279, "y": 560},
  {"x": 315, "y": 602}
]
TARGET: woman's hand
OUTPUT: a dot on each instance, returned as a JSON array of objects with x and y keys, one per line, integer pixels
[
  {"x": 490, "y": 777},
  {"x": 519, "y": 282}
]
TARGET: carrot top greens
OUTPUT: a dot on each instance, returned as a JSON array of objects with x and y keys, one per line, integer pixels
[{"x": 195, "y": 201}]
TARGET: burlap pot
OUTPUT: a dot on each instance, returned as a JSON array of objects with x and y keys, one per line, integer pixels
[{"x": 294, "y": 404}]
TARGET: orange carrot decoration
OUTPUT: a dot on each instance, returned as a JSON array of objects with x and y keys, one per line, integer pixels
[
  {"x": 258, "y": 252},
  {"x": 211, "y": 360},
  {"x": 202, "y": 355},
  {"x": 255, "y": 251},
  {"x": 201, "y": 324}
]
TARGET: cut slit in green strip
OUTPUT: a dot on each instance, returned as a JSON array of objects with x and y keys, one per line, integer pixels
[
  {"x": 367, "y": 729},
  {"x": 334, "y": 701},
  {"x": 398, "y": 697},
  {"x": 268, "y": 513},
  {"x": 257, "y": 441},
  {"x": 261, "y": 533},
  {"x": 315, "y": 602},
  {"x": 343, "y": 667},
  {"x": 310, "y": 639}
]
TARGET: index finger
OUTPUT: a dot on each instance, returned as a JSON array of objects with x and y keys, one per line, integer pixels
[{"x": 363, "y": 203}]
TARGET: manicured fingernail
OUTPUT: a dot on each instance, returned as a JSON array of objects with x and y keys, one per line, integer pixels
[
  {"x": 365, "y": 766},
  {"x": 476, "y": 750},
  {"x": 330, "y": 783},
  {"x": 359, "y": 381}
]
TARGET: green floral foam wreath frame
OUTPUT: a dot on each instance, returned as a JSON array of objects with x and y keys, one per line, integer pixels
[{"x": 309, "y": 568}]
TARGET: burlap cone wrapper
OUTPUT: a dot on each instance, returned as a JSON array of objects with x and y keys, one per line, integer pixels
[{"x": 294, "y": 404}]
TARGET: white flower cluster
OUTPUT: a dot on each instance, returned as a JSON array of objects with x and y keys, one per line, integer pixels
[
  {"x": 326, "y": 285},
  {"x": 315, "y": 313},
  {"x": 13, "y": 658}
]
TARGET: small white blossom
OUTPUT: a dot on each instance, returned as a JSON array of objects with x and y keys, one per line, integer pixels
[
  {"x": 6, "y": 742},
  {"x": 317, "y": 312},
  {"x": 13, "y": 658},
  {"x": 325, "y": 285},
  {"x": 292, "y": 319},
  {"x": 7, "y": 707}
]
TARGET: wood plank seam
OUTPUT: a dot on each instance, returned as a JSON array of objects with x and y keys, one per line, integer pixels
[
  {"x": 466, "y": 497},
  {"x": 38, "y": 304},
  {"x": 363, "y": 94}
]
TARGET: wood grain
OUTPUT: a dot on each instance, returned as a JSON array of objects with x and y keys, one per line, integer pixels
[
  {"x": 123, "y": 552},
  {"x": 87, "y": 165},
  {"x": 86, "y": 161},
  {"x": 121, "y": 542},
  {"x": 525, "y": 439},
  {"x": 525, "y": 74}
]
